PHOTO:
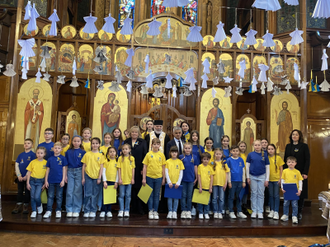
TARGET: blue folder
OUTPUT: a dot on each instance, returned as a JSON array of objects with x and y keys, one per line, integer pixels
[
  {"x": 290, "y": 191},
  {"x": 173, "y": 193}
]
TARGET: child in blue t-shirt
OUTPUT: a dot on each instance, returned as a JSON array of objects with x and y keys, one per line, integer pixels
[
  {"x": 225, "y": 147},
  {"x": 55, "y": 179},
  {"x": 22, "y": 162},
  {"x": 197, "y": 149},
  {"x": 257, "y": 173},
  {"x": 236, "y": 181},
  {"x": 48, "y": 144},
  {"x": 189, "y": 178}
]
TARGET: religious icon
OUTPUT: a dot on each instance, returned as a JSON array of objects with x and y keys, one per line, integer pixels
[
  {"x": 248, "y": 130},
  {"x": 45, "y": 30},
  {"x": 258, "y": 59},
  {"x": 85, "y": 59},
  {"x": 29, "y": 33},
  {"x": 73, "y": 123},
  {"x": 143, "y": 122},
  {"x": 110, "y": 114},
  {"x": 50, "y": 62},
  {"x": 86, "y": 36},
  {"x": 68, "y": 32},
  {"x": 241, "y": 44},
  {"x": 285, "y": 126},
  {"x": 177, "y": 122},
  {"x": 105, "y": 64},
  {"x": 216, "y": 120},
  {"x": 290, "y": 68},
  {"x": 247, "y": 68},
  {"x": 104, "y": 36},
  {"x": 225, "y": 44},
  {"x": 66, "y": 57},
  {"x": 208, "y": 41},
  {"x": 292, "y": 48},
  {"x": 227, "y": 60},
  {"x": 259, "y": 46},
  {"x": 278, "y": 46},
  {"x": 123, "y": 38},
  {"x": 213, "y": 66},
  {"x": 276, "y": 68}
]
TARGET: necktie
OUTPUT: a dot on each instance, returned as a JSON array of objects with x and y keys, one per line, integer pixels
[{"x": 180, "y": 148}]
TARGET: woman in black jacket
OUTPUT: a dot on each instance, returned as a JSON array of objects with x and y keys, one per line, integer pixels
[{"x": 298, "y": 149}]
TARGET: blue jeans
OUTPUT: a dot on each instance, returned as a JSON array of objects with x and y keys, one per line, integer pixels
[
  {"x": 92, "y": 190},
  {"x": 155, "y": 184},
  {"x": 257, "y": 193},
  {"x": 235, "y": 190},
  {"x": 106, "y": 207},
  {"x": 274, "y": 196},
  {"x": 204, "y": 209},
  {"x": 35, "y": 192},
  {"x": 124, "y": 191},
  {"x": 74, "y": 192},
  {"x": 51, "y": 194},
  {"x": 218, "y": 199},
  {"x": 286, "y": 206},
  {"x": 187, "y": 192},
  {"x": 172, "y": 204}
]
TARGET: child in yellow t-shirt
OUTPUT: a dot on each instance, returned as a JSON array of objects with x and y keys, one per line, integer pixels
[
  {"x": 91, "y": 177},
  {"x": 291, "y": 175},
  {"x": 275, "y": 173},
  {"x": 86, "y": 134},
  {"x": 35, "y": 178},
  {"x": 65, "y": 139},
  {"x": 205, "y": 182},
  {"x": 219, "y": 183},
  {"x": 110, "y": 177},
  {"x": 208, "y": 148},
  {"x": 154, "y": 176},
  {"x": 126, "y": 169},
  {"x": 107, "y": 137},
  {"x": 173, "y": 172}
]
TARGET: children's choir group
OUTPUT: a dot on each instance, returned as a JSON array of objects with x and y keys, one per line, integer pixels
[{"x": 76, "y": 170}]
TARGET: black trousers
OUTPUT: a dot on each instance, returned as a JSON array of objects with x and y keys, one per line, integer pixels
[
  {"x": 137, "y": 205},
  {"x": 23, "y": 194}
]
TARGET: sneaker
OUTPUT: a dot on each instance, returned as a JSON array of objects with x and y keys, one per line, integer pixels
[
  {"x": 17, "y": 209},
  {"x": 294, "y": 220},
  {"x": 109, "y": 214},
  {"x": 232, "y": 215},
  {"x": 188, "y": 215},
  {"x": 210, "y": 212},
  {"x": 120, "y": 214},
  {"x": 267, "y": 209},
  {"x": 156, "y": 216},
  {"x": 284, "y": 218},
  {"x": 253, "y": 215},
  {"x": 201, "y": 216},
  {"x": 220, "y": 216},
  {"x": 169, "y": 215},
  {"x": 216, "y": 216},
  {"x": 40, "y": 209},
  {"x": 102, "y": 214},
  {"x": 276, "y": 216},
  {"x": 58, "y": 214},
  {"x": 75, "y": 215},
  {"x": 33, "y": 214},
  {"x": 260, "y": 215},
  {"x": 183, "y": 214},
  {"x": 86, "y": 215},
  {"x": 193, "y": 211},
  {"x": 47, "y": 214},
  {"x": 151, "y": 215},
  {"x": 25, "y": 208},
  {"x": 206, "y": 216},
  {"x": 174, "y": 215},
  {"x": 92, "y": 215},
  {"x": 126, "y": 214},
  {"x": 271, "y": 214},
  {"x": 69, "y": 214},
  {"x": 241, "y": 215}
]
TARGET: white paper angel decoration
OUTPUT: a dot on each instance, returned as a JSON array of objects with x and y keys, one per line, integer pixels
[
  {"x": 205, "y": 79},
  {"x": 130, "y": 74},
  {"x": 227, "y": 79},
  {"x": 284, "y": 80},
  {"x": 221, "y": 67},
  {"x": 74, "y": 82},
  {"x": 242, "y": 68},
  {"x": 127, "y": 27},
  {"x": 270, "y": 84},
  {"x": 130, "y": 53},
  {"x": 227, "y": 92},
  {"x": 45, "y": 51},
  {"x": 272, "y": 5},
  {"x": 296, "y": 74},
  {"x": 100, "y": 85},
  {"x": 144, "y": 89},
  {"x": 296, "y": 37},
  {"x": 118, "y": 75},
  {"x": 90, "y": 24},
  {"x": 250, "y": 37},
  {"x": 206, "y": 65},
  {"x": 10, "y": 72},
  {"x": 43, "y": 65},
  {"x": 168, "y": 83},
  {"x": 324, "y": 60},
  {"x": 192, "y": 86},
  {"x": 174, "y": 91},
  {"x": 129, "y": 86},
  {"x": 28, "y": 9},
  {"x": 154, "y": 27},
  {"x": 194, "y": 35},
  {"x": 100, "y": 54},
  {"x": 236, "y": 37},
  {"x": 27, "y": 45},
  {"x": 114, "y": 86},
  {"x": 74, "y": 66},
  {"x": 158, "y": 92},
  {"x": 98, "y": 69},
  {"x": 277, "y": 91},
  {"x": 262, "y": 88},
  {"x": 322, "y": 9},
  {"x": 214, "y": 92},
  {"x": 292, "y": 2},
  {"x": 53, "y": 28},
  {"x": 325, "y": 86},
  {"x": 46, "y": 76},
  {"x": 32, "y": 26},
  {"x": 149, "y": 80},
  {"x": 268, "y": 39},
  {"x": 147, "y": 60},
  {"x": 215, "y": 80},
  {"x": 24, "y": 73},
  {"x": 239, "y": 91},
  {"x": 186, "y": 92},
  {"x": 262, "y": 76},
  {"x": 254, "y": 84},
  {"x": 108, "y": 25},
  {"x": 60, "y": 79},
  {"x": 288, "y": 87},
  {"x": 220, "y": 34},
  {"x": 303, "y": 85}
]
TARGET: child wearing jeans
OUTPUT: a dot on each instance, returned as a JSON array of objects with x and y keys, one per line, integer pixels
[
  {"x": 173, "y": 172},
  {"x": 154, "y": 176},
  {"x": 35, "y": 180},
  {"x": 291, "y": 175}
]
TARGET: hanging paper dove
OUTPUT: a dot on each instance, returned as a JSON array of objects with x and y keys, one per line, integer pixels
[
  {"x": 262, "y": 88},
  {"x": 296, "y": 74},
  {"x": 100, "y": 53},
  {"x": 329, "y": 42},
  {"x": 186, "y": 92},
  {"x": 324, "y": 60},
  {"x": 236, "y": 37},
  {"x": 215, "y": 80},
  {"x": 262, "y": 76},
  {"x": 53, "y": 28},
  {"x": 146, "y": 60},
  {"x": 9, "y": 70},
  {"x": 228, "y": 79},
  {"x": 27, "y": 45},
  {"x": 168, "y": 83},
  {"x": 206, "y": 65},
  {"x": 205, "y": 79},
  {"x": 168, "y": 28},
  {"x": 220, "y": 34},
  {"x": 253, "y": 87},
  {"x": 74, "y": 82},
  {"x": 149, "y": 80},
  {"x": 24, "y": 73},
  {"x": 43, "y": 65},
  {"x": 127, "y": 27},
  {"x": 114, "y": 86},
  {"x": 227, "y": 92},
  {"x": 270, "y": 85},
  {"x": 129, "y": 86},
  {"x": 292, "y": 2},
  {"x": 46, "y": 76},
  {"x": 277, "y": 91},
  {"x": 325, "y": 86},
  {"x": 268, "y": 40},
  {"x": 130, "y": 74},
  {"x": 272, "y": 5},
  {"x": 118, "y": 76},
  {"x": 174, "y": 91},
  {"x": 158, "y": 92},
  {"x": 250, "y": 37},
  {"x": 242, "y": 68},
  {"x": 98, "y": 69},
  {"x": 108, "y": 25},
  {"x": 322, "y": 9},
  {"x": 144, "y": 89},
  {"x": 28, "y": 9},
  {"x": 285, "y": 80},
  {"x": 60, "y": 79},
  {"x": 130, "y": 53},
  {"x": 214, "y": 92},
  {"x": 288, "y": 87},
  {"x": 194, "y": 35},
  {"x": 154, "y": 27},
  {"x": 74, "y": 66},
  {"x": 168, "y": 59},
  {"x": 45, "y": 51},
  {"x": 90, "y": 24},
  {"x": 296, "y": 37},
  {"x": 100, "y": 85},
  {"x": 32, "y": 26},
  {"x": 239, "y": 91},
  {"x": 38, "y": 76},
  {"x": 221, "y": 67},
  {"x": 303, "y": 85}
]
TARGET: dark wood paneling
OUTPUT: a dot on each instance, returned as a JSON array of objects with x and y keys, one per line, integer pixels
[{"x": 318, "y": 105}]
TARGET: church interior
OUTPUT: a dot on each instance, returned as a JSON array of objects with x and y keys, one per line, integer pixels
[{"x": 179, "y": 73}]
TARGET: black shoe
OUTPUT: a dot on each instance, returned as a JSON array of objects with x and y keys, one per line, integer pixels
[
  {"x": 17, "y": 209},
  {"x": 300, "y": 216},
  {"x": 25, "y": 208}
]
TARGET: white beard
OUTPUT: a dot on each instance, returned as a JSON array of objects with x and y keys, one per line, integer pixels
[{"x": 158, "y": 132}]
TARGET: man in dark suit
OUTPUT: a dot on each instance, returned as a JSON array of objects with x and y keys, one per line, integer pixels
[{"x": 177, "y": 133}]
